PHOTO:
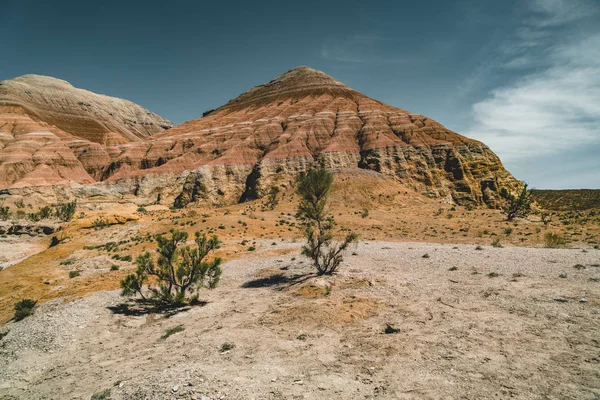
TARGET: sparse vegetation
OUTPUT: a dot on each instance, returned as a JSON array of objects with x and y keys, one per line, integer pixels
[
  {"x": 272, "y": 199},
  {"x": 516, "y": 206},
  {"x": 102, "y": 395},
  {"x": 326, "y": 254},
  {"x": 227, "y": 347},
  {"x": 4, "y": 211},
  {"x": 496, "y": 243},
  {"x": 554, "y": 240},
  {"x": 24, "y": 309},
  {"x": 100, "y": 223},
  {"x": 179, "y": 270},
  {"x": 114, "y": 267},
  {"x": 74, "y": 274},
  {"x": 65, "y": 211},
  {"x": 172, "y": 331}
]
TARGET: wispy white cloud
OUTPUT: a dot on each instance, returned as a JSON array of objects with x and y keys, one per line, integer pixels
[{"x": 556, "y": 107}]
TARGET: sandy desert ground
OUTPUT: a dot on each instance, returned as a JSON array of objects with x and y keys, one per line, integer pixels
[{"x": 472, "y": 324}]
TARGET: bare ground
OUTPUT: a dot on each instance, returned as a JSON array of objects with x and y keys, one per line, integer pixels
[{"x": 503, "y": 324}]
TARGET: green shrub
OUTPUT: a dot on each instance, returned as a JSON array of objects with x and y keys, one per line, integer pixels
[
  {"x": 114, "y": 267},
  {"x": 65, "y": 211},
  {"x": 179, "y": 270},
  {"x": 172, "y": 331},
  {"x": 325, "y": 253},
  {"x": 516, "y": 206},
  {"x": 74, "y": 274},
  {"x": 554, "y": 240},
  {"x": 227, "y": 347},
  {"x": 496, "y": 243},
  {"x": 103, "y": 395},
  {"x": 24, "y": 308}
]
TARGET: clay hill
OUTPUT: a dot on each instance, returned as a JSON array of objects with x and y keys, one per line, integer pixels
[{"x": 52, "y": 133}]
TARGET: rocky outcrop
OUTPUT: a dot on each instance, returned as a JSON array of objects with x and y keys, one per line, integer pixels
[{"x": 270, "y": 134}]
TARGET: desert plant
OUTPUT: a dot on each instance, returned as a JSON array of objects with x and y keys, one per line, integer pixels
[
  {"x": 65, "y": 211},
  {"x": 508, "y": 231},
  {"x": 74, "y": 274},
  {"x": 272, "y": 199},
  {"x": 114, "y": 267},
  {"x": 364, "y": 213},
  {"x": 496, "y": 243},
  {"x": 227, "y": 347},
  {"x": 45, "y": 212},
  {"x": 24, "y": 308},
  {"x": 516, "y": 206},
  {"x": 554, "y": 240},
  {"x": 4, "y": 211},
  {"x": 326, "y": 254},
  {"x": 100, "y": 223},
  {"x": 172, "y": 331},
  {"x": 178, "y": 270},
  {"x": 19, "y": 203},
  {"x": 102, "y": 395}
]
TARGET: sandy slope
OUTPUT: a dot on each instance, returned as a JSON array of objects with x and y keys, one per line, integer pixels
[{"x": 526, "y": 333}]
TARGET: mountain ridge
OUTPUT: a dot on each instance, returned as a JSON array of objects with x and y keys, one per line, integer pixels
[{"x": 271, "y": 133}]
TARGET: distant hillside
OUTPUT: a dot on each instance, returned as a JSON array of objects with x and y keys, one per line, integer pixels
[{"x": 561, "y": 200}]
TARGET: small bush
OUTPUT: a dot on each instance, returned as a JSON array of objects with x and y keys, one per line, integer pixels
[
  {"x": 251, "y": 248},
  {"x": 579, "y": 266},
  {"x": 172, "y": 331},
  {"x": 65, "y": 211},
  {"x": 114, "y": 267},
  {"x": 496, "y": 243},
  {"x": 103, "y": 395},
  {"x": 100, "y": 223},
  {"x": 425, "y": 255},
  {"x": 179, "y": 271},
  {"x": 554, "y": 240},
  {"x": 74, "y": 274},
  {"x": 24, "y": 308},
  {"x": 4, "y": 212},
  {"x": 227, "y": 346},
  {"x": 478, "y": 248},
  {"x": 508, "y": 231},
  {"x": 141, "y": 210}
]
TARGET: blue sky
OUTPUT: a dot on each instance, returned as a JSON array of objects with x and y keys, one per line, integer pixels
[{"x": 523, "y": 76}]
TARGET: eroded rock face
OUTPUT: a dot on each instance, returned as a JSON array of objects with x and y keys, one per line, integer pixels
[
  {"x": 273, "y": 132},
  {"x": 270, "y": 134}
]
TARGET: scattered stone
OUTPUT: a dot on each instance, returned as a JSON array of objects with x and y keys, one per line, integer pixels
[{"x": 560, "y": 299}]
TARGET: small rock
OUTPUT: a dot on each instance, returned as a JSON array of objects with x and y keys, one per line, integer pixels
[
  {"x": 583, "y": 300},
  {"x": 175, "y": 388},
  {"x": 560, "y": 299},
  {"x": 390, "y": 329}
]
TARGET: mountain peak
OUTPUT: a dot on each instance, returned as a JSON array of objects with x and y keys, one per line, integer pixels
[{"x": 298, "y": 82}]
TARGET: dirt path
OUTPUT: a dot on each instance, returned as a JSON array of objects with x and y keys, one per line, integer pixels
[{"x": 503, "y": 324}]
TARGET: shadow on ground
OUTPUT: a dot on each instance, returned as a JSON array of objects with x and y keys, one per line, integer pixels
[
  {"x": 279, "y": 281},
  {"x": 137, "y": 308}
]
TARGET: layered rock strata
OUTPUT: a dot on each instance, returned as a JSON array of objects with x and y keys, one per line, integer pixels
[{"x": 270, "y": 134}]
